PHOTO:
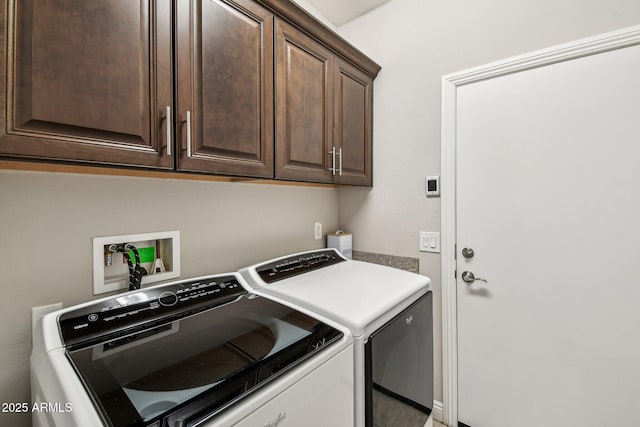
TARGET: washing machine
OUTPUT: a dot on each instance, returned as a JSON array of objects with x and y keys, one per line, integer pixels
[
  {"x": 200, "y": 352},
  {"x": 389, "y": 314}
]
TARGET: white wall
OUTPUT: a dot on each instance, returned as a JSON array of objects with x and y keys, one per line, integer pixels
[
  {"x": 47, "y": 221},
  {"x": 416, "y": 42}
]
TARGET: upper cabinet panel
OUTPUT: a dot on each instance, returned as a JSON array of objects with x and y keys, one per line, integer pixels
[
  {"x": 303, "y": 106},
  {"x": 82, "y": 80},
  {"x": 353, "y": 124},
  {"x": 225, "y": 83}
]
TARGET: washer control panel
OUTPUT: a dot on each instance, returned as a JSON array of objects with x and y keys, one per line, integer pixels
[
  {"x": 147, "y": 305},
  {"x": 295, "y": 265}
]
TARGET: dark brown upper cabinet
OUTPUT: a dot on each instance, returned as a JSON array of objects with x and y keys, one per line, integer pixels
[
  {"x": 224, "y": 63},
  {"x": 323, "y": 113},
  {"x": 352, "y": 125},
  {"x": 304, "y": 96},
  {"x": 251, "y": 88},
  {"x": 92, "y": 81},
  {"x": 88, "y": 81}
]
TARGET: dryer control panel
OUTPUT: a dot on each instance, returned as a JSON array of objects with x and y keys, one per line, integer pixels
[
  {"x": 121, "y": 314},
  {"x": 298, "y": 264}
]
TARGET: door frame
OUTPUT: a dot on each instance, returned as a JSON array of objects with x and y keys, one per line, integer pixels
[{"x": 589, "y": 46}]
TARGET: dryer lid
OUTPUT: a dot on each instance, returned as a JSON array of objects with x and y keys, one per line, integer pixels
[{"x": 352, "y": 293}]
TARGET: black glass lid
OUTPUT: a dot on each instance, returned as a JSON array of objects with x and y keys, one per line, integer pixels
[{"x": 191, "y": 367}]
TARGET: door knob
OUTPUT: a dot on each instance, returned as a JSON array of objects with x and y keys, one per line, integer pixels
[
  {"x": 468, "y": 253},
  {"x": 468, "y": 277}
]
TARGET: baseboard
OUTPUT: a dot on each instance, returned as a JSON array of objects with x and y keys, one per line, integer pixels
[{"x": 436, "y": 413}]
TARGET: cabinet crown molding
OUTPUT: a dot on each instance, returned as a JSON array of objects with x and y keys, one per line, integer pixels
[{"x": 305, "y": 22}]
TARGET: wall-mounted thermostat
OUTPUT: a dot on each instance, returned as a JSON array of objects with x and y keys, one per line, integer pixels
[{"x": 432, "y": 185}]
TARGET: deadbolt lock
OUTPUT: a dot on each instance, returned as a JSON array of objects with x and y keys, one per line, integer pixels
[{"x": 468, "y": 253}]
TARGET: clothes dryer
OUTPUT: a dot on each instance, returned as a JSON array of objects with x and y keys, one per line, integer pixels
[{"x": 389, "y": 313}]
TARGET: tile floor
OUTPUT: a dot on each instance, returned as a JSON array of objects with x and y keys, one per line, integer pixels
[
  {"x": 391, "y": 412},
  {"x": 432, "y": 423}
]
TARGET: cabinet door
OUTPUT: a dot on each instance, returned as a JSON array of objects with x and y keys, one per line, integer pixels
[
  {"x": 352, "y": 124},
  {"x": 88, "y": 81},
  {"x": 303, "y": 106},
  {"x": 225, "y": 87}
]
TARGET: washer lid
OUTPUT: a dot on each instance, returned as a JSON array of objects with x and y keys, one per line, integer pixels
[
  {"x": 193, "y": 363},
  {"x": 352, "y": 293}
]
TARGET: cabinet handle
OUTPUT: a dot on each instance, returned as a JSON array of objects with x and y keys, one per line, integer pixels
[
  {"x": 188, "y": 133},
  {"x": 333, "y": 160},
  {"x": 168, "y": 120},
  {"x": 340, "y": 161}
]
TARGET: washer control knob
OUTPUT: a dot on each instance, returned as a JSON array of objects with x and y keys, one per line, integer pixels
[{"x": 167, "y": 299}]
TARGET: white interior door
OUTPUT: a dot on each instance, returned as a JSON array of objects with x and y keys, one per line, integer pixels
[{"x": 548, "y": 197}]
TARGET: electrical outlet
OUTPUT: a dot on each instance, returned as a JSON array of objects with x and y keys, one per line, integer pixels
[
  {"x": 317, "y": 228},
  {"x": 110, "y": 270}
]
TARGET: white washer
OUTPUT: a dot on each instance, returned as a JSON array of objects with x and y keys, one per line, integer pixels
[
  {"x": 389, "y": 313},
  {"x": 197, "y": 352}
]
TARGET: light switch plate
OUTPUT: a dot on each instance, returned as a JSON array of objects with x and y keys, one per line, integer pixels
[{"x": 429, "y": 242}]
